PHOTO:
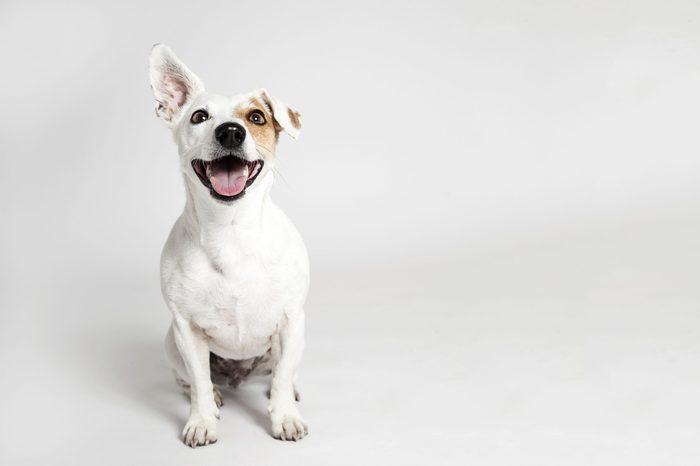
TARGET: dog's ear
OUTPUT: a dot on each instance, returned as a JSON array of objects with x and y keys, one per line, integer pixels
[
  {"x": 172, "y": 82},
  {"x": 286, "y": 118}
]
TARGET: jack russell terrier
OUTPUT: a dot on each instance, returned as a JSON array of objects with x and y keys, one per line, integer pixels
[{"x": 234, "y": 270}]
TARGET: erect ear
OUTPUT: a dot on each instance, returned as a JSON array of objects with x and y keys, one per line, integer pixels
[
  {"x": 286, "y": 118},
  {"x": 172, "y": 82}
]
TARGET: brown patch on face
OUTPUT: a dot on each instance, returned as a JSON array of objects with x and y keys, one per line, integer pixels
[
  {"x": 294, "y": 118},
  {"x": 265, "y": 136}
]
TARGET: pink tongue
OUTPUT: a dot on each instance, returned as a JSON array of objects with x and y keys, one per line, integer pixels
[{"x": 228, "y": 181}]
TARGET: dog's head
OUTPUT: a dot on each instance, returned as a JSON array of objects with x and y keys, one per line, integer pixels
[{"x": 225, "y": 143}]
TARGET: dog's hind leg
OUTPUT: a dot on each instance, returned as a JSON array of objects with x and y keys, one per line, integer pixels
[{"x": 174, "y": 358}]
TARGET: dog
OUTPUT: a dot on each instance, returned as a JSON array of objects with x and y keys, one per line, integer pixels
[{"x": 234, "y": 270}]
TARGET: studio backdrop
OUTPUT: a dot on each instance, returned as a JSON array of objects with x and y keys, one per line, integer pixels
[{"x": 500, "y": 202}]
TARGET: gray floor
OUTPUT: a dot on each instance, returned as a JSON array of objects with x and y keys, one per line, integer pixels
[{"x": 575, "y": 345}]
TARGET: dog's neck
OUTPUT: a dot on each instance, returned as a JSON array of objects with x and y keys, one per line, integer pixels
[{"x": 204, "y": 213}]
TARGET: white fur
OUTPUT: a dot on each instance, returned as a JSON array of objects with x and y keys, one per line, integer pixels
[{"x": 234, "y": 275}]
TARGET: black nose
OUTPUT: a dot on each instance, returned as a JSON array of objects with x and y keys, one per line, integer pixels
[{"x": 230, "y": 135}]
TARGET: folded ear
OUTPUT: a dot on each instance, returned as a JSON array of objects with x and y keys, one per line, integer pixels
[
  {"x": 286, "y": 118},
  {"x": 172, "y": 82}
]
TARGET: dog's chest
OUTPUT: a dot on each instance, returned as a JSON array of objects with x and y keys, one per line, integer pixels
[{"x": 237, "y": 294}]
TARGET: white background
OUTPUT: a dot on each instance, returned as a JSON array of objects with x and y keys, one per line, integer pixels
[{"x": 500, "y": 200}]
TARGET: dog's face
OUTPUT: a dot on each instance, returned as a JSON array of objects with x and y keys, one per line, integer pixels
[{"x": 225, "y": 143}]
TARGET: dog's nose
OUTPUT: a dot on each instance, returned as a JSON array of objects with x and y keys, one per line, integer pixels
[{"x": 230, "y": 135}]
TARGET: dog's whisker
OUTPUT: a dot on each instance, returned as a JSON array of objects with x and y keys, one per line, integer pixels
[
  {"x": 276, "y": 170},
  {"x": 195, "y": 148},
  {"x": 266, "y": 150}
]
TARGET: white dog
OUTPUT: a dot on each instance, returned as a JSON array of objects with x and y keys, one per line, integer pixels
[{"x": 234, "y": 270}]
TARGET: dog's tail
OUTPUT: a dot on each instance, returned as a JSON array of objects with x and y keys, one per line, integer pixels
[{"x": 231, "y": 372}]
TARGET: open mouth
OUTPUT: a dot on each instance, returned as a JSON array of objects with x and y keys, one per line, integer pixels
[{"x": 227, "y": 177}]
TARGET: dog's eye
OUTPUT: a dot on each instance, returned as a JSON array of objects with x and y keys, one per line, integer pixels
[
  {"x": 199, "y": 116},
  {"x": 256, "y": 117}
]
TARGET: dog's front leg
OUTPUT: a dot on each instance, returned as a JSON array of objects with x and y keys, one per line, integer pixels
[
  {"x": 194, "y": 348},
  {"x": 287, "y": 347}
]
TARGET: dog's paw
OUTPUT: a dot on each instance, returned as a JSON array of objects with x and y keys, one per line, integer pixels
[
  {"x": 199, "y": 431},
  {"x": 218, "y": 397},
  {"x": 288, "y": 426}
]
